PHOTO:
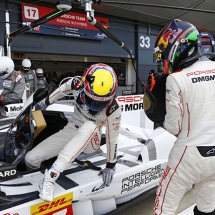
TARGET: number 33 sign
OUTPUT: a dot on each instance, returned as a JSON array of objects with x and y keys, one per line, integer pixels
[{"x": 145, "y": 42}]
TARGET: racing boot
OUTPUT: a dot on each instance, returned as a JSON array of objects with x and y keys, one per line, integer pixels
[{"x": 46, "y": 185}]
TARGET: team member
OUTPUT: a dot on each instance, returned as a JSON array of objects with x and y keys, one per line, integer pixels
[
  {"x": 190, "y": 105},
  {"x": 29, "y": 75},
  {"x": 13, "y": 83},
  {"x": 41, "y": 80},
  {"x": 95, "y": 106}
]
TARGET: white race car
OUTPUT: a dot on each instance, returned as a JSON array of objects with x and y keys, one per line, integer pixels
[{"x": 142, "y": 158}]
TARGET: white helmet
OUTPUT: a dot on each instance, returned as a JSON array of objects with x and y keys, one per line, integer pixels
[
  {"x": 39, "y": 72},
  {"x": 26, "y": 64},
  {"x": 6, "y": 67}
]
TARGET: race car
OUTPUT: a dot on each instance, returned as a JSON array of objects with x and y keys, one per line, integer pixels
[{"x": 142, "y": 157}]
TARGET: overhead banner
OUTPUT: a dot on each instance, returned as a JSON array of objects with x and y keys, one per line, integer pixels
[{"x": 70, "y": 24}]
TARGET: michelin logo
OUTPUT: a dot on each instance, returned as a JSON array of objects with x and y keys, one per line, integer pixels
[{"x": 15, "y": 108}]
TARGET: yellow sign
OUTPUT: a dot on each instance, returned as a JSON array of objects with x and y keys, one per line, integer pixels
[
  {"x": 48, "y": 207},
  {"x": 19, "y": 55}
]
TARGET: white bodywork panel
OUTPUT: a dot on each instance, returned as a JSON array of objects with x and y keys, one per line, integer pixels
[{"x": 81, "y": 191}]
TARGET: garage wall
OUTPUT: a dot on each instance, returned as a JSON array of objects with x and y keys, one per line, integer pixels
[
  {"x": 136, "y": 36},
  {"x": 146, "y": 39},
  {"x": 28, "y": 42}
]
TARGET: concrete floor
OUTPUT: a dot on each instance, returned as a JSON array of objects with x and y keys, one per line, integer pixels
[{"x": 146, "y": 207}]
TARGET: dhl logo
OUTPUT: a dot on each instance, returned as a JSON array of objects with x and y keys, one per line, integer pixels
[{"x": 58, "y": 203}]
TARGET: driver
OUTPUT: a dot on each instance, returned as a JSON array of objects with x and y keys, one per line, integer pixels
[
  {"x": 95, "y": 107},
  {"x": 190, "y": 107},
  {"x": 13, "y": 83}
]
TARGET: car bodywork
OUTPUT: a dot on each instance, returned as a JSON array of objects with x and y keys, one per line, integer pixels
[{"x": 142, "y": 157}]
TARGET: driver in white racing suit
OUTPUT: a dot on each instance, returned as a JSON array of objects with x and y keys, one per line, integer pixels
[
  {"x": 95, "y": 107},
  {"x": 190, "y": 115}
]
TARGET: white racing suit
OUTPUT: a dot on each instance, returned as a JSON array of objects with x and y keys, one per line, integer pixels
[
  {"x": 82, "y": 133},
  {"x": 31, "y": 79},
  {"x": 190, "y": 107}
]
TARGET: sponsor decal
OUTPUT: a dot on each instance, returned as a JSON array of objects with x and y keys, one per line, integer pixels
[
  {"x": 67, "y": 25},
  {"x": 175, "y": 35},
  {"x": 100, "y": 35},
  {"x": 98, "y": 98},
  {"x": 126, "y": 92},
  {"x": 173, "y": 51},
  {"x": 144, "y": 177},
  {"x": 112, "y": 109},
  {"x": 7, "y": 84},
  {"x": 200, "y": 72},
  {"x": 62, "y": 204},
  {"x": 131, "y": 107},
  {"x": 212, "y": 151},
  {"x": 100, "y": 188},
  {"x": 130, "y": 103},
  {"x": 97, "y": 190},
  {"x": 203, "y": 78},
  {"x": 7, "y": 173},
  {"x": 95, "y": 141},
  {"x": 159, "y": 190},
  {"x": 15, "y": 108},
  {"x": 18, "y": 77},
  {"x": 129, "y": 99},
  {"x": 11, "y": 214},
  {"x": 117, "y": 126},
  {"x": 168, "y": 91}
]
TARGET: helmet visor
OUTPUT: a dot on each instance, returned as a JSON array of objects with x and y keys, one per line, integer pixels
[
  {"x": 95, "y": 105},
  {"x": 40, "y": 74},
  {"x": 26, "y": 68},
  {"x": 3, "y": 73}
]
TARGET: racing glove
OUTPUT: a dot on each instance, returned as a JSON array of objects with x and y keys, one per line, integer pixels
[{"x": 107, "y": 175}]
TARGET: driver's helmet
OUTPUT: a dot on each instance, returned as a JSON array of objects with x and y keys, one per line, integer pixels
[
  {"x": 26, "y": 65},
  {"x": 174, "y": 43},
  {"x": 100, "y": 85},
  {"x": 39, "y": 72},
  {"x": 6, "y": 67}
]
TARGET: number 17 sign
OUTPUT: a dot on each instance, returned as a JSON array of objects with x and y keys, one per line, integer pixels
[{"x": 31, "y": 12}]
